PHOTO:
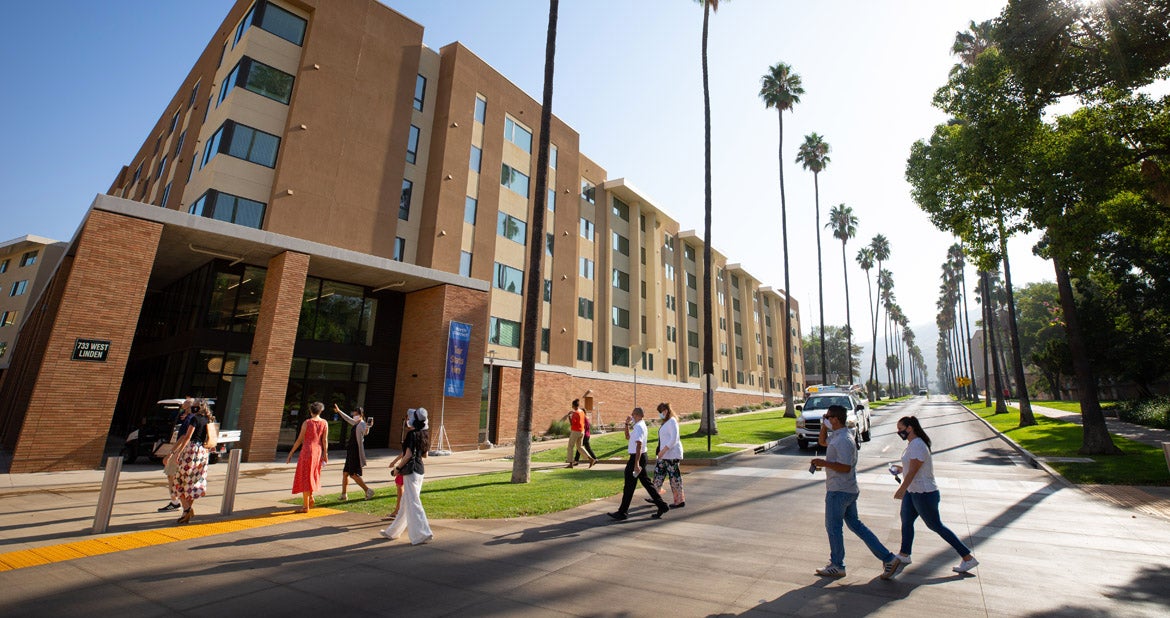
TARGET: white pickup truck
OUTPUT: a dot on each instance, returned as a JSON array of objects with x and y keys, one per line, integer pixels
[{"x": 156, "y": 435}]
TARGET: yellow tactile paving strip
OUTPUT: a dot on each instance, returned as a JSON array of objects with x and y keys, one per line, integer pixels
[{"x": 133, "y": 540}]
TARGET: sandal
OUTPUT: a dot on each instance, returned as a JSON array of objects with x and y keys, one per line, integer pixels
[{"x": 187, "y": 515}]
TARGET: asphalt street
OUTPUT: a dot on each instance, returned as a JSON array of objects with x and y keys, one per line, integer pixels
[{"x": 747, "y": 543}]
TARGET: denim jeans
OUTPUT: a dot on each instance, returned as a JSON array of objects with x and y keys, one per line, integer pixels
[
  {"x": 925, "y": 505},
  {"x": 841, "y": 508}
]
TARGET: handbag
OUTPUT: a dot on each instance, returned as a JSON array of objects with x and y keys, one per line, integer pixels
[{"x": 212, "y": 436}]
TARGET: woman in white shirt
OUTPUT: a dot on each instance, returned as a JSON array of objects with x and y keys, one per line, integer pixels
[
  {"x": 920, "y": 498},
  {"x": 670, "y": 454}
]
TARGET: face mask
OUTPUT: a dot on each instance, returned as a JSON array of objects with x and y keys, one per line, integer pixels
[
  {"x": 903, "y": 434},
  {"x": 661, "y": 415}
]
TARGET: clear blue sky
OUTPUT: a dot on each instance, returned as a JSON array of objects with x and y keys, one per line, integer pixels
[{"x": 627, "y": 79}]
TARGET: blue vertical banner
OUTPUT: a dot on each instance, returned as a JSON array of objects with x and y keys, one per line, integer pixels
[{"x": 458, "y": 339}]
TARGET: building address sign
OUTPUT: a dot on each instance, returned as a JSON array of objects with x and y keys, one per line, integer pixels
[{"x": 95, "y": 350}]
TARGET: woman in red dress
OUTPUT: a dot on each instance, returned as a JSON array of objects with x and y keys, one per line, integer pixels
[{"x": 314, "y": 444}]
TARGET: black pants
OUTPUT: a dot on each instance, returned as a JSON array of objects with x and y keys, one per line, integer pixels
[
  {"x": 632, "y": 481},
  {"x": 584, "y": 445}
]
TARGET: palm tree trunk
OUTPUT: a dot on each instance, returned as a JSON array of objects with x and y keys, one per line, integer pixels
[
  {"x": 967, "y": 327},
  {"x": 789, "y": 406},
  {"x": 986, "y": 346},
  {"x": 848, "y": 319},
  {"x": 820, "y": 279},
  {"x": 1026, "y": 417},
  {"x": 522, "y": 459},
  {"x": 1000, "y": 406},
  {"x": 707, "y": 426},
  {"x": 1095, "y": 438},
  {"x": 886, "y": 355},
  {"x": 870, "y": 386}
]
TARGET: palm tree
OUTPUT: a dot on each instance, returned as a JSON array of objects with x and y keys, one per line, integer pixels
[
  {"x": 865, "y": 260},
  {"x": 781, "y": 89},
  {"x": 707, "y": 425},
  {"x": 522, "y": 460},
  {"x": 881, "y": 253},
  {"x": 844, "y": 225},
  {"x": 885, "y": 281},
  {"x": 959, "y": 260},
  {"x": 814, "y": 155}
]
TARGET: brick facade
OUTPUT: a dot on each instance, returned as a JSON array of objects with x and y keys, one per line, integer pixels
[
  {"x": 422, "y": 362},
  {"x": 69, "y": 404},
  {"x": 556, "y": 390},
  {"x": 272, "y": 354}
]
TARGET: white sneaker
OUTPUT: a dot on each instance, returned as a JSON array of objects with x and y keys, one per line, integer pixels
[
  {"x": 384, "y": 533},
  {"x": 369, "y": 494},
  {"x": 343, "y": 497},
  {"x": 966, "y": 565},
  {"x": 831, "y": 570}
]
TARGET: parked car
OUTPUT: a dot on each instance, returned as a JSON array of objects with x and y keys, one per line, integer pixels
[
  {"x": 158, "y": 431},
  {"x": 808, "y": 424},
  {"x": 922, "y": 391}
]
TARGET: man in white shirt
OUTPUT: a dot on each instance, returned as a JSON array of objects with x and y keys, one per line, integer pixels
[
  {"x": 840, "y": 464},
  {"x": 636, "y": 433}
]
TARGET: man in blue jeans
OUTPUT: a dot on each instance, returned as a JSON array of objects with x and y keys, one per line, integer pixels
[{"x": 840, "y": 464}]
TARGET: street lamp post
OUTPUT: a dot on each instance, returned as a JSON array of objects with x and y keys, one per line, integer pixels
[{"x": 491, "y": 373}]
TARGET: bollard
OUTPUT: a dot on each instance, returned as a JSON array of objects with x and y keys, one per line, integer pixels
[
  {"x": 229, "y": 483},
  {"x": 105, "y": 505}
]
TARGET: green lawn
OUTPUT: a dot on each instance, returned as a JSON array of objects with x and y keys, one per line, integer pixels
[
  {"x": 1141, "y": 464},
  {"x": 491, "y": 496},
  {"x": 1071, "y": 406},
  {"x": 754, "y": 428}
]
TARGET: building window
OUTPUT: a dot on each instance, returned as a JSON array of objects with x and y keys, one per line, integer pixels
[
  {"x": 693, "y": 369},
  {"x": 722, "y": 323},
  {"x": 621, "y": 317},
  {"x": 585, "y": 351},
  {"x": 420, "y": 91},
  {"x": 544, "y": 340},
  {"x": 480, "y": 109},
  {"x": 692, "y": 309},
  {"x": 511, "y": 228},
  {"x": 174, "y": 123},
  {"x": 586, "y": 229},
  {"x": 552, "y": 200},
  {"x": 27, "y": 259},
  {"x": 738, "y": 329},
  {"x": 166, "y": 193},
  {"x": 3, "y": 348},
  {"x": 689, "y": 252},
  {"x": 672, "y": 366},
  {"x": 8, "y": 318},
  {"x": 470, "y": 204},
  {"x": 584, "y": 308},
  {"x": 739, "y": 377},
  {"x": 723, "y": 349},
  {"x": 588, "y": 191},
  {"x": 514, "y": 180},
  {"x": 552, "y": 156},
  {"x": 668, "y": 242},
  {"x": 621, "y": 356},
  {"x": 509, "y": 279},
  {"x": 670, "y": 303},
  {"x": 476, "y": 158},
  {"x": 738, "y": 352},
  {"x": 725, "y": 378},
  {"x": 621, "y": 280},
  {"x": 412, "y": 145},
  {"x": 692, "y": 281},
  {"x": 735, "y": 304},
  {"x": 243, "y": 142},
  {"x": 465, "y": 263},
  {"x": 735, "y": 281},
  {"x": 273, "y": 19},
  {"x": 671, "y": 333},
  {"x": 4, "y": 266},
  {"x": 621, "y": 210},
  {"x": 162, "y": 168},
  {"x": 518, "y": 135},
  {"x": 668, "y": 269},
  {"x": 399, "y": 249},
  {"x": 549, "y": 241},
  {"x": 259, "y": 78},
  {"x": 621, "y": 244},
  {"x": 137, "y": 173},
  {"x": 647, "y": 361},
  {"x": 229, "y": 208},
  {"x": 179, "y": 142},
  {"x": 18, "y": 288},
  {"x": 404, "y": 200},
  {"x": 643, "y": 282},
  {"x": 504, "y": 332},
  {"x": 548, "y": 291},
  {"x": 586, "y": 270},
  {"x": 692, "y": 339}
]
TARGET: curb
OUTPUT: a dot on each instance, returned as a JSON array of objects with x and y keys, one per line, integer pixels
[{"x": 1025, "y": 453}]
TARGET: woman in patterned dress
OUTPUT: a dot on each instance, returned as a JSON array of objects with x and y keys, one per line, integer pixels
[
  {"x": 191, "y": 475},
  {"x": 314, "y": 444}
]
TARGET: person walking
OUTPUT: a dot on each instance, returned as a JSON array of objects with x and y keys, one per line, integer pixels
[
  {"x": 411, "y": 516},
  {"x": 585, "y": 443},
  {"x": 670, "y": 455},
  {"x": 398, "y": 479},
  {"x": 841, "y": 492},
  {"x": 636, "y": 433},
  {"x": 355, "y": 451},
  {"x": 191, "y": 469},
  {"x": 313, "y": 441},
  {"x": 576, "y": 418},
  {"x": 171, "y": 464},
  {"x": 920, "y": 498}
]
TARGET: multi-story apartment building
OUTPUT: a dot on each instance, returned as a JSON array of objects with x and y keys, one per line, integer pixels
[
  {"x": 25, "y": 264},
  {"x": 315, "y": 206}
]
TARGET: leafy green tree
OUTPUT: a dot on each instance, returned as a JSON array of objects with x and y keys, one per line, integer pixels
[
  {"x": 865, "y": 259},
  {"x": 844, "y": 225},
  {"x": 837, "y": 343},
  {"x": 781, "y": 89},
  {"x": 813, "y": 154}
]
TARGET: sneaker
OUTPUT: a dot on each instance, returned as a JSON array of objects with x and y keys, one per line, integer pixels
[
  {"x": 831, "y": 570},
  {"x": 170, "y": 506},
  {"x": 343, "y": 497},
  {"x": 386, "y": 534},
  {"x": 618, "y": 515},
  {"x": 369, "y": 494},
  {"x": 895, "y": 566},
  {"x": 966, "y": 565}
]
